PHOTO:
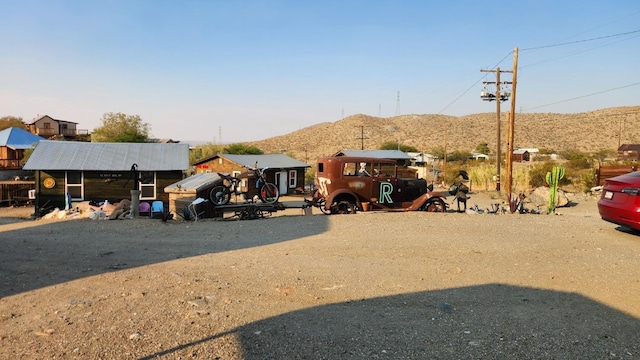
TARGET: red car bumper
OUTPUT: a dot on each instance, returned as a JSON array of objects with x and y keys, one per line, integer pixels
[{"x": 625, "y": 213}]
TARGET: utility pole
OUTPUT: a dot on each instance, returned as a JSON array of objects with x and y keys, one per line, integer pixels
[
  {"x": 362, "y": 137},
  {"x": 511, "y": 125},
  {"x": 498, "y": 97},
  {"x": 444, "y": 165}
]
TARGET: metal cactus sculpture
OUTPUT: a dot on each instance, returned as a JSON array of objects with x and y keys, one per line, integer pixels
[{"x": 553, "y": 178}]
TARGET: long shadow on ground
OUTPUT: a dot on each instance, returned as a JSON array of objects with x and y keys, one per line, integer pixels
[
  {"x": 46, "y": 253},
  {"x": 478, "y": 322}
]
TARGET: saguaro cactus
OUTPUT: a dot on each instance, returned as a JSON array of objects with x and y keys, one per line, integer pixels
[{"x": 553, "y": 177}]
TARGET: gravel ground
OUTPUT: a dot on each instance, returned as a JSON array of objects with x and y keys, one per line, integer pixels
[{"x": 367, "y": 286}]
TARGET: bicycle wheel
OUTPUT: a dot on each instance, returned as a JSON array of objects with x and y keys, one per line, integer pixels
[
  {"x": 321, "y": 204},
  {"x": 269, "y": 193},
  {"x": 220, "y": 195}
]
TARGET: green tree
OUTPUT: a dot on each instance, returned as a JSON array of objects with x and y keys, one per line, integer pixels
[
  {"x": 438, "y": 152},
  {"x": 242, "y": 149},
  {"x": 119, "y": 127},
  {"x": 483, "y": 148},
  {"x": 204, "y": 151},
  {"x": 12, "y": 121},
  {"x": 392, "y": 145},
  {"x": 458, "y": 155}
]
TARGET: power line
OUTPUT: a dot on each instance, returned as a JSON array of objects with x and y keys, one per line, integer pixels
[
  {"x": 580, "y": 41},
  {"x": 584, "y": 96},
  {"x": 475, "y": 83},
  {"x": 576, "y": 53}
]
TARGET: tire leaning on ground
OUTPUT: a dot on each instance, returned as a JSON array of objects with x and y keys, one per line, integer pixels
[{"x": 220, "y": 195}]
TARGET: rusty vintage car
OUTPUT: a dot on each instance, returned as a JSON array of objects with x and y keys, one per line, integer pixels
[{"x": 348, "y": 184}]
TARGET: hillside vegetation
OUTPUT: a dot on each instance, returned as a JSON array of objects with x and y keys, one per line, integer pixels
[{"x": 587, "y": 132}]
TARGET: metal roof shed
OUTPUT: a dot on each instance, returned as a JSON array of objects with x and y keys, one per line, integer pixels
[
  {"x": 185, "y": 191},
  {"x": 75, "y": 155},
  {"x": 103, "y": 171}
]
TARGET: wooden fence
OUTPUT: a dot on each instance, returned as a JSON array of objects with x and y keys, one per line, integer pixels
[{"x": 608, "y": 171}]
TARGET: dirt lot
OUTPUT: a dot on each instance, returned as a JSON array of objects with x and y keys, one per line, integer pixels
[{"x": 366, "y": 286}]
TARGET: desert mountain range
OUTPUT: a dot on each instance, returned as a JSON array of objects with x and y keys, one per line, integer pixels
[{"x": 588, "y": 132}]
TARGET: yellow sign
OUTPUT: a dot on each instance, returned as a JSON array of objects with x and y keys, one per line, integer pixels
[{"x": 49, "y": 183}]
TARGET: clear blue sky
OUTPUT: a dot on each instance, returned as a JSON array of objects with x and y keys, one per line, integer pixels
[{"x": 232, "y": 71}]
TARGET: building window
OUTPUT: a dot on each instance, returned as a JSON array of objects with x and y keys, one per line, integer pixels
[
  {"x": 147, "y": 185},
  {"x": 293, "y": 178},
  {"x": 74, "y": 185}
]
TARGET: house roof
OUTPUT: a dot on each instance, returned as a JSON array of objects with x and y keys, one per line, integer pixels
[
  {"x": 477, "y": 155},
  {"x": 193, "y": 184},
  {"x": 378, "y": 154},
  {"x": 520, "y": 151},
  {"x": 272, "y": 161},
  {"x": 74, "y": 155},
  {"x": 629, "y": 147},
  {"x": 44, "y": 116},
  {"x": 16, "y": 138}
]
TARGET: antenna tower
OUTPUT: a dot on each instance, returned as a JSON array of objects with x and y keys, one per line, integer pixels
[{"x": 398, "y": 104}]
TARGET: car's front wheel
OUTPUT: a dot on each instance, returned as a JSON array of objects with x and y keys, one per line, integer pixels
[
  {"x": 344, "y": 207},
  {"x": 434, "y": 205}
]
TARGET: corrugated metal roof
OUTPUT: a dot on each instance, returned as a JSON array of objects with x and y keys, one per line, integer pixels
[
  {"x": 75, "y": 155},
  {"x": 272, "y": 161},
  {"x": 193, "y": 184},
  {"x": 378, "y": 154},
  {"x": 17, "y": 138}
]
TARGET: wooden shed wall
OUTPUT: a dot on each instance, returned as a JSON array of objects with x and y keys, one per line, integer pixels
[{"x": 99, "y": 188}]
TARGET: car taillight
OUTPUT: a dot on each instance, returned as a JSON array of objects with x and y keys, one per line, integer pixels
[{"x": 633, "y": 191}]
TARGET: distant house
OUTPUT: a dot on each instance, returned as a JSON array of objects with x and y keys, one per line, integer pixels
[
  {"x": 478, "y": 156},
  {"x": 521, "y": 155},
  {"x": 55, "y": 129},
  {"x": 285, "y": 172},
  {"x": 629, "y": 152},
  {"x": 102, "y": 171},
  {"x": 421, "y": 159},
  {"x": 13, "y": 142}
]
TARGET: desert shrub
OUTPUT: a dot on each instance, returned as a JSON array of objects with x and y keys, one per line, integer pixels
[
  {"x": 461, "y": 156},
  {"x": 481, "y": 176},
  {"x": 453, "y": 170},
  {"x": 537, "y": 175},
  {"x": 579, "y": 163},
  {"x": 587, "y": 179},
  {"x": 577, "y": 159}
]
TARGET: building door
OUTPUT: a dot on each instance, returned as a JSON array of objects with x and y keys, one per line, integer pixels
[{"x": 281, "y": 182}]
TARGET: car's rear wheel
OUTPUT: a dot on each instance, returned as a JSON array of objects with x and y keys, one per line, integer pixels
[{"x": 434, "y": 205}]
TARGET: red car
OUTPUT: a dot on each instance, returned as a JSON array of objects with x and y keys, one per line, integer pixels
[{"x": 620, "y": 201}]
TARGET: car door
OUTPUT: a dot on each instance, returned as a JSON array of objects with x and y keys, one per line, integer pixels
[{"x": 384, "y": 184}]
